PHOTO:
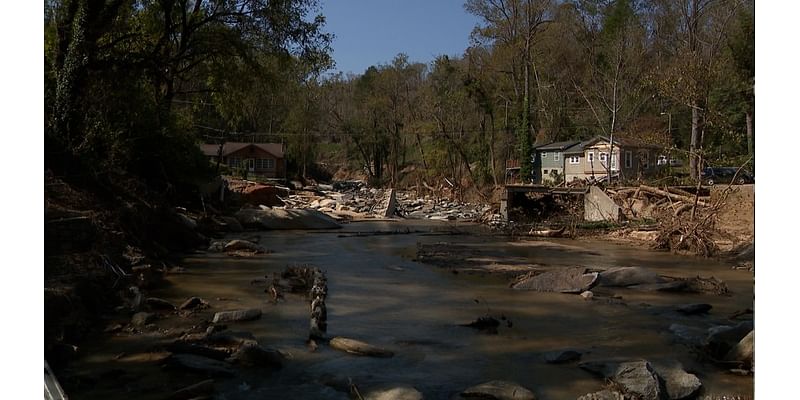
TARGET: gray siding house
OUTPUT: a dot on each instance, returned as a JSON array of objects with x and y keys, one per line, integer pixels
[{"x": 548, "y": 163}]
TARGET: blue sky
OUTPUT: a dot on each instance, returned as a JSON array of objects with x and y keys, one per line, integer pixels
[{"x": 372, "y": 32}]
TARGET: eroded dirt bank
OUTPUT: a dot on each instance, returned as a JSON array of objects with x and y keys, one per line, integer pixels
[{"x": 383, "y": 290}]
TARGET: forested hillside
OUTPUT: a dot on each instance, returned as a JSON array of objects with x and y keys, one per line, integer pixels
[{"x": 131, "y": 86}]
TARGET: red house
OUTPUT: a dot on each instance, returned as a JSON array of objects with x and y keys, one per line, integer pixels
[{"x": 265, "y": 159}]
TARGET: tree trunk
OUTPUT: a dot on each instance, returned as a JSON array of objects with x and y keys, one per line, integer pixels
[
  {"x": 693, "y": 144},
  {"x": 749, "y": 122}
]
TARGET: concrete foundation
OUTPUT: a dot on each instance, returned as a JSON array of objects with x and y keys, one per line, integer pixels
[{"x": 597, "y": 206}]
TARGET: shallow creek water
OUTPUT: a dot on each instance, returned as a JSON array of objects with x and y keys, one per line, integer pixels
[{"x": 377, "y": 293}]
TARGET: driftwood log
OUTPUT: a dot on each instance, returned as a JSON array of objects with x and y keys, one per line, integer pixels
[{"x": 673, "y": 196}]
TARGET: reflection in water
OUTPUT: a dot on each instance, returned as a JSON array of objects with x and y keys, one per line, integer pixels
[{"x": 378, "y": 294}]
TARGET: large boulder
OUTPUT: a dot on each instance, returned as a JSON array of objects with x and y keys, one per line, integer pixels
[
  {"x": 721, "y": 339},
  {"x": 564, "y": 280},
  {"x": 359, "y": 348},
  {"x": 636, "y": 377},
  {"x": 264, "y": 194},
  {"x": 237, "y": 315},
  {"x": 627, "y": 276},
  {"x": 678, "y": 383},
  {"x": 499, "y": 390},
  {"x": 279, "y": 219},
  {"x": 396, "y": 393}
]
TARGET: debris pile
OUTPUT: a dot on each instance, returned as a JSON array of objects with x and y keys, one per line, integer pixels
[{"x": 353, "y": 199}]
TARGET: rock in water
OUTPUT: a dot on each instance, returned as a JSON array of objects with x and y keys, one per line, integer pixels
[
  {"x": 499, "y": 390},
  {"x": 192, "y": 303},
  {"x": 398, "y": 393},
  {"x": 238, "y": 315},
  {"x": 159, "y": 304},
  {"x": 694, "y": 309},
  {"x": 744, "y": 350},
  {"x": 566, "y": 280},
  {"x": 678, "y": 383},
  {"x": 637, "y": 377},
  {"x": 603, "y": 395},
  {"x": 253, "y": 355},
  {"x": 627, "y": 276},
  {"x": 239, "y": 244},
  {"x": 721, "y": 339},
  {"x": 203, "y": 388},
  {"x": 200, "y": 364},
  {"x": 561, "y": 356},
  {"x": 142, "y": 318},
  {"x": 359, "y": 348}
]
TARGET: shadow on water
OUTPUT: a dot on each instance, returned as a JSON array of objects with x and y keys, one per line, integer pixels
[{"x": 378, "y": 294}]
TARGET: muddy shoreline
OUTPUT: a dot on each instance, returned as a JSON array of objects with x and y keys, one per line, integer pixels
[{"x": 383, "y": 293}]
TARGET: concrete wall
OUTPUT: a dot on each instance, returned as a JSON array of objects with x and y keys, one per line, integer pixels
[{"x": 597, "y": 206}]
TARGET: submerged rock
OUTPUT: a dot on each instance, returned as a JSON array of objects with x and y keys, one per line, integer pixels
[
  {"x": 566, "y": 280},
  {"x": 499, "y": 390},
  {"x": 627, "y": 276},
  {"x": 197, "y": 390},
  {"x": 182, "y": 347},
  {"x": 396, "y": 393},
  {"x": 254, "y": 355},
  {"x": 359, "y": 348},
  {"x": 561, "y": 356},
  {"x": 204, "y": 365},
  {"x": 694, "y": 309},
  {"x": 237, "y": 315}
]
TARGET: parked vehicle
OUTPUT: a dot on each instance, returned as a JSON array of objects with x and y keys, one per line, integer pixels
[{"x": 712, "y": 176}]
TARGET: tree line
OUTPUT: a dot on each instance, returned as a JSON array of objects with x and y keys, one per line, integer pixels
[{"x": 139, "y": 81}]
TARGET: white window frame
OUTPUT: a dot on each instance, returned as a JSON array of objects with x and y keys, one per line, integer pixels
[
  {"x": 603, "y": 156},
  {"x": 574, "y": 160},
  {"x": 590, "y": 157},
  {"x": 628, "y": 159},
  {"x": 645, "y": 160},
  {"x": 544, "y": 155},
  {"x": 556, "y": 156},
  {"x": 614, "y": 162}
]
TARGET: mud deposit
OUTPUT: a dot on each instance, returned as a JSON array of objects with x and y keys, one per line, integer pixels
[{"x": 379, "y": 293}]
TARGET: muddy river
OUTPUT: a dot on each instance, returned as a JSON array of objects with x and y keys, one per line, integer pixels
[{"x": 379, "y": 294}]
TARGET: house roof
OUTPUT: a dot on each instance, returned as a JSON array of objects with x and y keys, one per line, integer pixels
[
  {"x": 621, "y": 142},
  {"x": 276, "y": 149},
  {"x": 557, "y": 145}
]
